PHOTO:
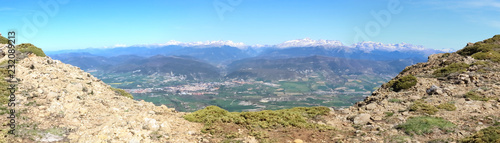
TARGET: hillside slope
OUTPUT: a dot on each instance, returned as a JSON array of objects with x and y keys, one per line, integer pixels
[
  {"x": 454, "y": 97},
  {"x": 60, "y": 102}
]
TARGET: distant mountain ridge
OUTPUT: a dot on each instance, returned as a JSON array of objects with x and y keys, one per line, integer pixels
[
  {"x": 220, "y": 59},
  {"x": 224, "y": 52}
]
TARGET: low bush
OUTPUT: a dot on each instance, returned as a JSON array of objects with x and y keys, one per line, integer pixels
[
  {"x": 294, "y": 117},
  {"x": 389, "y": 114},
  {"x": 488, "y": 49},
  {"x": 4, "y": 92},
  {"x": 395, "y": 100},
  {"x": 452, "y": 68},
  {"x": 422, "y": 107},
  {"x": 122, "y": 92},
  {"x": 486, "y": 135},
  {"x": 3, "y": 40},
  {"x": 472, "y": 95},
  {"x": 425, "y": 125},
  {"x": 491, "y": 44},
  {"x": 30, "y": 48},
  {"x": 491, "y": 55},
  {"x": 447, "y": 106},
  {"x": 404, "y": 82}
]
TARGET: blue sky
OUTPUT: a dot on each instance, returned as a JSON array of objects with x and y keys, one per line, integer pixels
[{"x": 75, "y": 24}]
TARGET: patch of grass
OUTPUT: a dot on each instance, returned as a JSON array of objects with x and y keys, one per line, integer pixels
[
  {"x": 4, "y": 98},
  {"x": 486, "y": 135},
  {"x": 480, "y": 63},
  {"x": 56, "y": 131},
  {"x": 472, "y": 95},
  {"x": 30, "y": 48},
  {"x": 155, "y": 135},
  {"x": 395, "y": 100},
  {"x": 422, "y": 107},
  {"x": 447, "y": 106},
  {"x": 425, "y": 125},
  {"x": 452, "y": 68},
  {"x": 389, "y": 114},
  {"x": 294, "y": 117},
  {"x": 404, "y": 82},
  {"x": 3, "y": 110},
  {"x": 120, "y": 92},
  {"x": 398, "y": 139},
  {"x": 3, "y": 40},
  {"x": 490, "y": 55},
  {"x": 482, "y": 46},
  {"x": 488, "y": 49}
]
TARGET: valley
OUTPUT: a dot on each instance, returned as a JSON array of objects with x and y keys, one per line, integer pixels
[
  {"x": 237, "y": 95},
  {"x": 296, "y": 73}
]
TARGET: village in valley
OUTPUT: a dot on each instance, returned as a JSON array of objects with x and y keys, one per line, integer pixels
[{"x": 242, "y": 95}]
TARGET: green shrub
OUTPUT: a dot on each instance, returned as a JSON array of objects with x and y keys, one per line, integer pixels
[
  {"x": 472, "y": 95},
  {"x": 452, "y": 68},
  {"x": 447, "y": 106},
  {"x": 389, "y": 114},
  {"x": 395, "y": 100},
  {"x": 425, "y": 125},
  {"x": 492, "y": 44},
  {"x": 486, "y": 135},
  {"x": 491, "y": 55},
  {"x": 30, "y": 48},
  {"x": 480, "y": 63},
  {"x": 420, "y": 106},
  {"x": 122, "y": 92},
  {"x": 294, "y": 117},
  {"x": 404, "y": 82},
  {"x": 4, "y": 98},
  {"x": 488, "y": 49},
  {"x": 3, "y": 40}
]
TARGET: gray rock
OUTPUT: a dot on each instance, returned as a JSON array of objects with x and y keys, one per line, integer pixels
[
  {"x": 362, "y": 119},
  {"x": 371, "y": 106},
  {"x": 434, "y": 90}
]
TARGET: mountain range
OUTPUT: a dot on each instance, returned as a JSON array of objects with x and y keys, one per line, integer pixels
[{"x": 220, "y": 59}]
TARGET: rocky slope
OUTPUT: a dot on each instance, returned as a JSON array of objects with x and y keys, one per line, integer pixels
[
  {"x": 60, "y": 102},
  {"x": 471, "y": 92}
]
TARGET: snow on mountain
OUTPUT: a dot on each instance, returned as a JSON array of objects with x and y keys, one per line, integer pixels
[
  {"x": 370, "y": 46},
  {"x": 205, "y": 44},
  {"x": 307, "y": 42}
]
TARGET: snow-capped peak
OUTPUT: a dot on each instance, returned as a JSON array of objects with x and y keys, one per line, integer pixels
[
  {"x": 370, "y": 46},
  {"x": 307, "y": 42},
  {"x": 206, "y": 44}
]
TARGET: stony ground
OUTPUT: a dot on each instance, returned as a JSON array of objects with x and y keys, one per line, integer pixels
[
  {"x": 60, "y": 102},
  {"x": 369, "y": 121}
]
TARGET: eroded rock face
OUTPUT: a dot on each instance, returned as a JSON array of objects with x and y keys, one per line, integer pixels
[{"x": 67, "y": 104}]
